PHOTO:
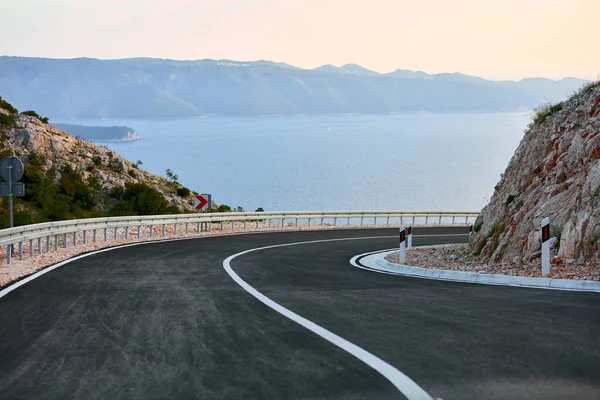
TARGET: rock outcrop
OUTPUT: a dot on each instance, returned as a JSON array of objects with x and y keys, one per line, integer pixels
[
  {"x": 58, "y": 149},
  {"x": 555, "y": 172}
]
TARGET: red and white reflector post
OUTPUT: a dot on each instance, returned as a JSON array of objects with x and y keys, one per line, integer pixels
[
  {"x": 545, "y": 246},
  {"x": 409, "y": 237},
  {"x": 402, "y": 245}
]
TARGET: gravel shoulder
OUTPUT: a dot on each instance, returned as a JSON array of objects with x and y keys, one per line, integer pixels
[{"x": 460, "y": 258}]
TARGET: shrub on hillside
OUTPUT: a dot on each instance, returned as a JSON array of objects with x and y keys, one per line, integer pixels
[
  {"x": 183, "y": 192},
  {"x": 7, "y": 106},
  {"x": 141, "y": 199},
  {"x": 32, "y": 113}
]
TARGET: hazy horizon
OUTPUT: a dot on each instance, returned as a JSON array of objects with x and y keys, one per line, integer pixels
[
  {"x": 509, "y": 40},
  {"x": 516, "y": 78}
]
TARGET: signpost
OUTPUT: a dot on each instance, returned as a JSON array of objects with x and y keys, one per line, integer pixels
[
  {"x": 11, "y": 170},
  {"x": 409, "y": 237},
  {"x": 545, "y": 246},
  {"x": 202, "y": 202},
  {"x": 402, "y": 245}
]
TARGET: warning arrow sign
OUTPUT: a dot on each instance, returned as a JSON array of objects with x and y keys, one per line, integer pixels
[{"x": 201, "y": 201}]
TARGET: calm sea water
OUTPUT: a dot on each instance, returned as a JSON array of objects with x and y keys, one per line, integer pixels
[{"x": 349, "y": 162}]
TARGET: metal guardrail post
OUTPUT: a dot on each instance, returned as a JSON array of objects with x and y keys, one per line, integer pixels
[
  {"x": 8, "y": 254},
  {"x": 47, "y": 244},
  {"x": 232, "y": 226},
  {"x": 31, "y": 248},
  {"x": 40, "y": 245},
  {"x": 105, "y": 234},
  {"x": 186, "y": 228},
  {"x": 116, "y": 233},
  {"x": 21, "y": 251},
  {"x": 221, "y": 226},
  {"x": 282, "y": 219},
  {"x": 84, "y": 238},
  {"x": 65, "y": 240},
  {"x": 296, "y": 222},
  {"x": 309, "y": 222},
  {"x": 74, "y": 238},
  {"x": 388, "y": 220},
  {"x": 163, "y": 230},
  {"x": 94, "y": 236},
  {"x": 126, "y": 233},
  {"x": 175, "y": 229},
  {"x": 55, "y": 242},
  {"x": 269, "y": 222},
  {"x": 151, "y": 230},
  {"x": 139, "y": 232},
  {"x": 335, "y": 221},
  {"x": 361, "y": 220},
  {"x": 257, "y": 224},
  {"x": 244, "y": 225}
]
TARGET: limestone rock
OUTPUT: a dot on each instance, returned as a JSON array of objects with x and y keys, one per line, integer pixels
[{"x": 555, "y": 172}]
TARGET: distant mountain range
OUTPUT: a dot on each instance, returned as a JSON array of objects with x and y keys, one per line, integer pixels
[{"x": 156, "y": 88}]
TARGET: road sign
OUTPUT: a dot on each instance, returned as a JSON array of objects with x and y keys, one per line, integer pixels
[
  {"x": 202, "y": 201},
  {"x": 18, "y": 189},
  {"x": 16, "y": 172}
]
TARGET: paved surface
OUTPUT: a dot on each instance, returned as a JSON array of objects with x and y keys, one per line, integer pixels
[{"x": 165, "y": 321}]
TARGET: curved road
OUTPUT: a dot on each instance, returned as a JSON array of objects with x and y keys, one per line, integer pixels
[{"x": 165, "y": 320}]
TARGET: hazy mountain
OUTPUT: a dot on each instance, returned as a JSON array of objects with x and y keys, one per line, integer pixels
[{"x": 157, "y": 88}]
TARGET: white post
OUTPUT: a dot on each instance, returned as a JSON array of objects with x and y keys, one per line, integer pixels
[
  {"x": 402, "y": 245},
  {"x": 545, "y": 246},
  {"x": 409, "y": 237}
]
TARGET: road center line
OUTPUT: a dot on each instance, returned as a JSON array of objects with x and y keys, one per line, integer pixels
[{"x": 403, "y": 383}]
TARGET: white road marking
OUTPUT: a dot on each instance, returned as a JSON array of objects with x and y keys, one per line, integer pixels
[{"x": 403, "y": 383}]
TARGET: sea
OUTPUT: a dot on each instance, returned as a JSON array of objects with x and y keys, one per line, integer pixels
[{"x": 408, "y": 161}]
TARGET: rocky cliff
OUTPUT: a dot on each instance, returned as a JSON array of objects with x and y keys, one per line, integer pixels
[
  {"x": 555, "y": 172},
  {"x": 104, "y": 172}
]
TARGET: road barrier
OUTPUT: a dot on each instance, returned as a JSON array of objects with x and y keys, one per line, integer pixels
[{"x": 60, "y": 233}]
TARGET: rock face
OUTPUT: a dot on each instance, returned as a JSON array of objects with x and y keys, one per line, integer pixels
[
  {"x": 555, "y": 172},
  {"x": 59, "y": 149}
]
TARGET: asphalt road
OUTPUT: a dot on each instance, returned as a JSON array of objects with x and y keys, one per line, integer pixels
[{"x": 165, "y": 320}]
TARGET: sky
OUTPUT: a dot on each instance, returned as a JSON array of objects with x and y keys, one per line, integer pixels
[{"x": 496, "y": 39}]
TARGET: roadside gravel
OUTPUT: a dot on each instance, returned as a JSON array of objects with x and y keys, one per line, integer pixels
[{"x": 460, "y": 258}]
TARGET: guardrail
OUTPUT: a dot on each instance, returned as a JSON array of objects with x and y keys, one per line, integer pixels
[{"x": 24, "y": 236}]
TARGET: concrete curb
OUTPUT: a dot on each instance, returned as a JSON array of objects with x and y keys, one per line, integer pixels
[{"x": 377, "y": 262}]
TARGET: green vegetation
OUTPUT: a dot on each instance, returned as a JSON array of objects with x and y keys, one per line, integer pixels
[
  {"x": 140, "y": 199},
  {"x": 7, "y": 106},
  {"x": 221, "y": 209},
  {"x": 7, "y": 121},
  {"x": 477, "y": 226},
  {"x": 260, "y": 209},
  {"x": 32, "y": 113},
  {"x": 138, "y": 163},
  {"x": 585, "y": 89},
  {"x": 183, "y": 192},
  {"x": 171, "y": 176},
  {"x": 97, "y": 160},
  {"x": 481, "y": 245},
  {"x": 542, "y": 112},
  {"x": 510, "y": 199}
]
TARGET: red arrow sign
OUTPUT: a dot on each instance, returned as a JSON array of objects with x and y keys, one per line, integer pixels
[{"x": 200, "y": 202}]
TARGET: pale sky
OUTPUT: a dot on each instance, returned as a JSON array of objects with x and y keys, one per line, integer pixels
[{"x": 491, "y": 38}]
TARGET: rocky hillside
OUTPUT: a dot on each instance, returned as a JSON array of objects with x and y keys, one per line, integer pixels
[
  {"x": 68, "y": 177},
  {"x": 555, "y": 172}
]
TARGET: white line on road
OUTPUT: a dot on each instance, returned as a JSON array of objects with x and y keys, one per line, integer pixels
[{"x": 403, "y": 383}]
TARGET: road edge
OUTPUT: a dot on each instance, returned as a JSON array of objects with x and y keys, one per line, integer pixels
[{"x": 375, "y": 261}]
